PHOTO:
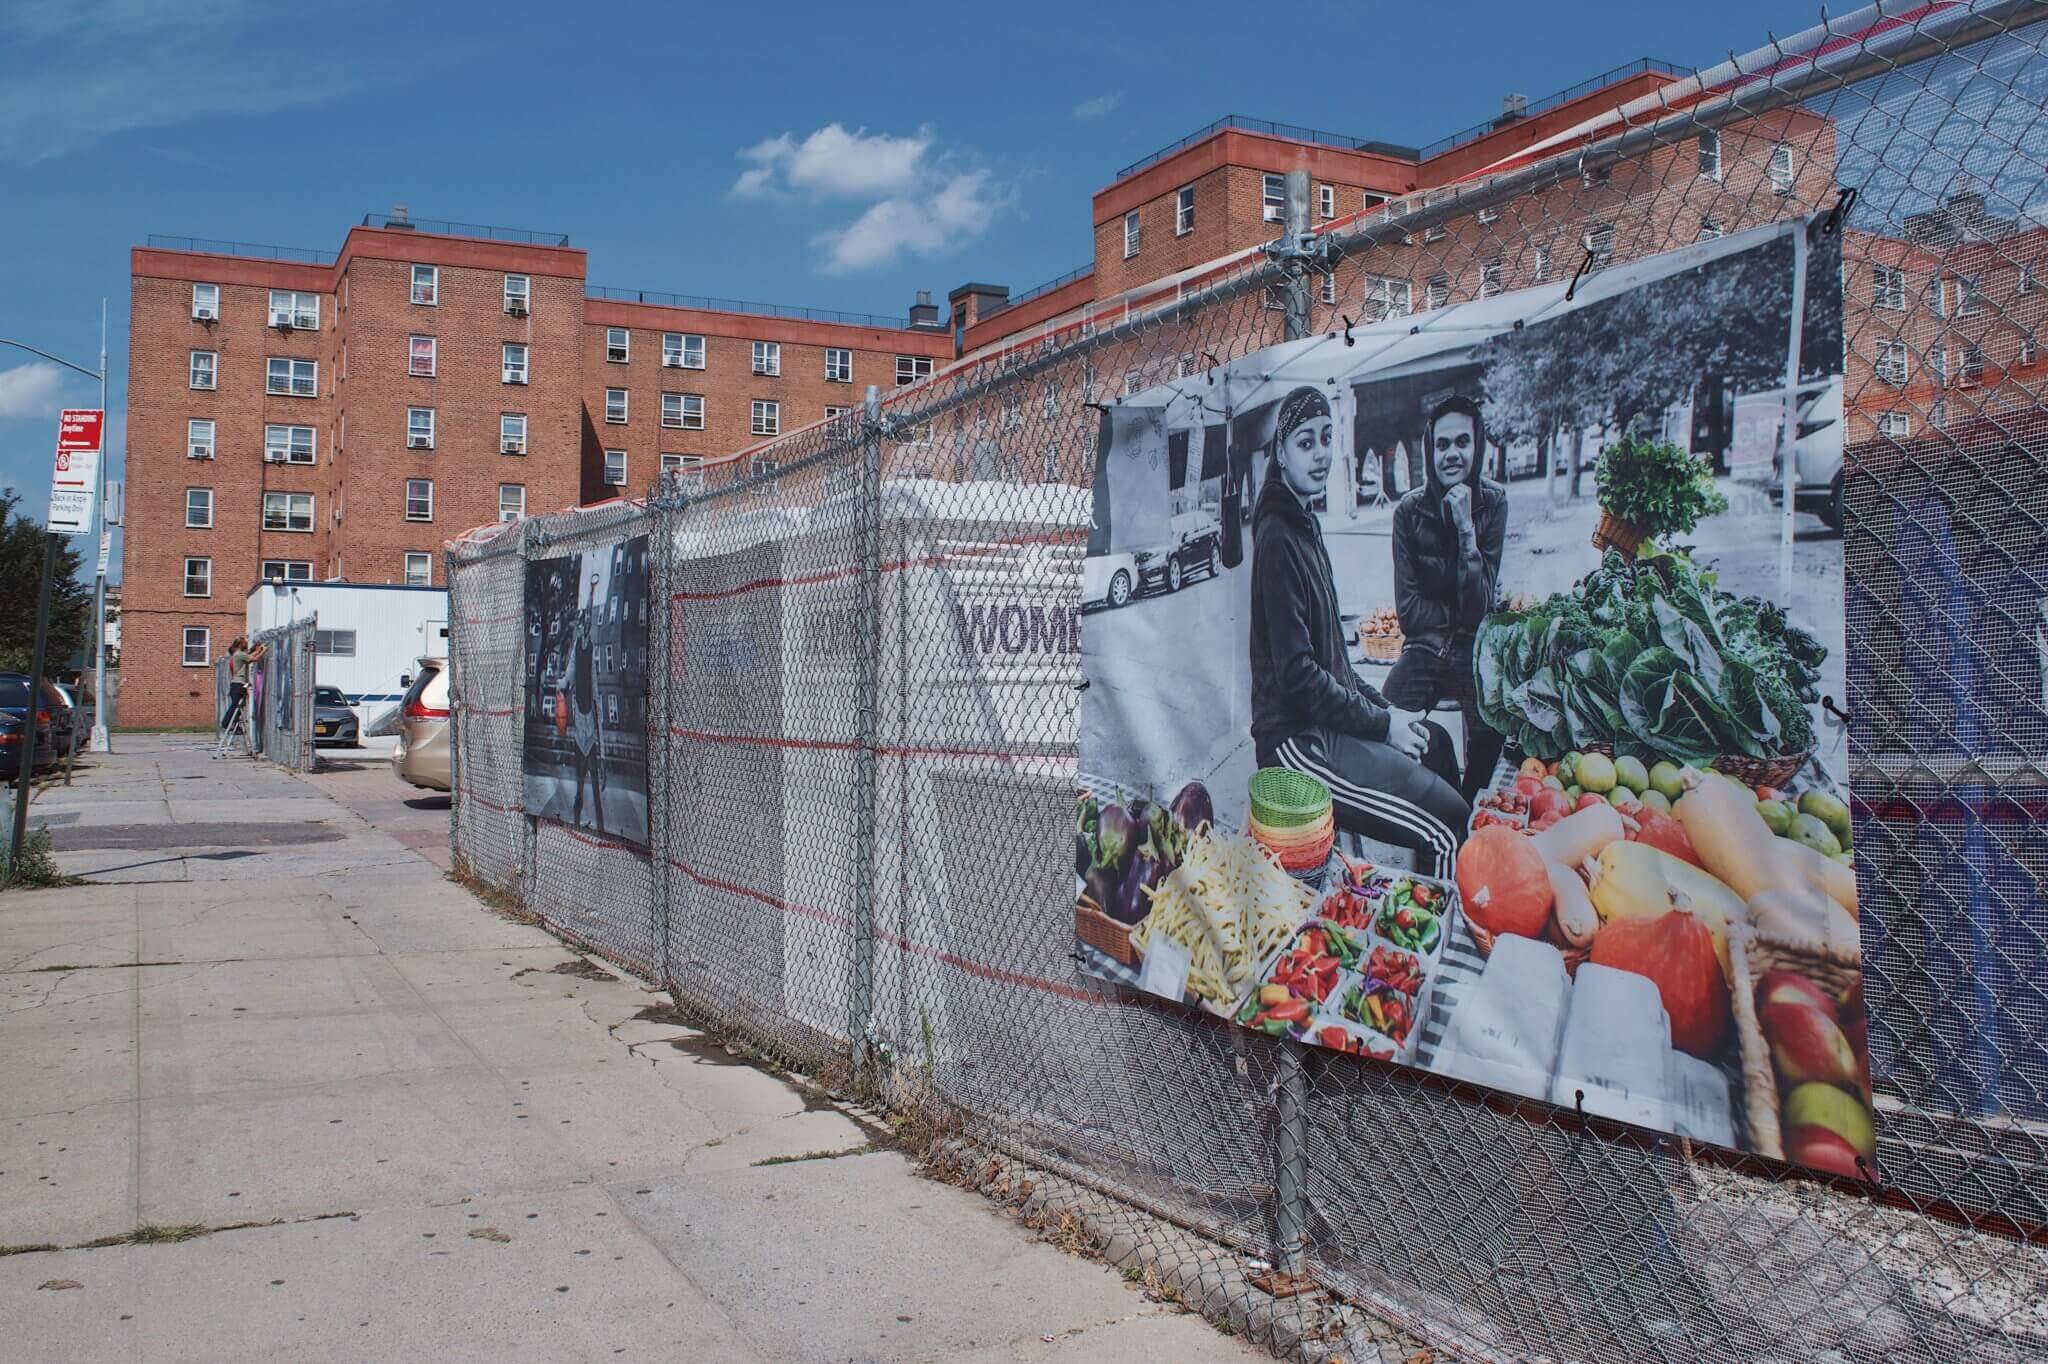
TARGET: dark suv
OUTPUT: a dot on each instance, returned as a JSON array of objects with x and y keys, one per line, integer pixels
[{"x": 54, "y": 722}]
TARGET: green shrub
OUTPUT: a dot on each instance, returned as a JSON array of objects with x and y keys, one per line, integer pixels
[{"x": 1657, "y": 486}]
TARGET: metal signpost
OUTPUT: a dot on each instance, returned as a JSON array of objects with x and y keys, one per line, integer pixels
[{"x": 74, "y": 505}]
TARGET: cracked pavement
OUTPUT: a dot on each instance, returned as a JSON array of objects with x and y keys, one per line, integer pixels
[{"x": 424, "y": 1131}]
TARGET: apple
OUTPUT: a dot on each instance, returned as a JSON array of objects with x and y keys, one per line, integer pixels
[
  {"x": 1588, "y": 798},
  {"x": 1819, "y": 1148},
  {"x": 1837, "y": 1110},
  {"x": 1527, "y": 785},
  {"x": 1533, "y": 767},
  {"x": 1807, "y": 1046},
  {"x": 1791, "y": 987},
  {"x": 1548, "y": 801}
]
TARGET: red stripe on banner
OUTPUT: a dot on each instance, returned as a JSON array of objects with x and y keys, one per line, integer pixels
[
  {"x": 822, "y": 915},
  {"x": 840, "y": 745},
  {"x": 611, "y": 844}
]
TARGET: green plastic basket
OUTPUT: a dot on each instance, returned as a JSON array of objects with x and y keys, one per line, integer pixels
[{"x": 1283, "y": 798}]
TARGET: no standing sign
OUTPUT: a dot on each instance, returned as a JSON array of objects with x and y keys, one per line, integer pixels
[{"x": 74, "y": 483}]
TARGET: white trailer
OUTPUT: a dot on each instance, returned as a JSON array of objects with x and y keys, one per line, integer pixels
[{"x": 370, "y": 635}]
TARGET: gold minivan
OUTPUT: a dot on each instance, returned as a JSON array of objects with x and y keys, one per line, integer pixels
[{"x": 421, "y": 758}]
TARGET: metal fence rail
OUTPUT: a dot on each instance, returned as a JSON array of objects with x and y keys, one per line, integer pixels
[
  {"x": 863, "y": 729},
  {"x": 279, "y": 696}
]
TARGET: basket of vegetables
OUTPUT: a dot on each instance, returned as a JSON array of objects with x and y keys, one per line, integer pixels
[
  {"x": 1379, "y": 635},
  {"x": 1121, "y": 854},
  {"x": 1651, "y": 487}
]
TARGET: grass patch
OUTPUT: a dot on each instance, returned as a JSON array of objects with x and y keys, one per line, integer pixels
[
  {"x": 164, "y": 1234},
  {"x": 867, "y": 1150},
  {"x": 36, "y": 866},
  {"x": 498, "y": 899}
]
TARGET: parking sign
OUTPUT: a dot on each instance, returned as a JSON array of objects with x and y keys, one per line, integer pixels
[{"x": 74, "y": 483}]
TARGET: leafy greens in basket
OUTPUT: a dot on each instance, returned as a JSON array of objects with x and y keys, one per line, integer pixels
[{"x": 1652, "y": 658}]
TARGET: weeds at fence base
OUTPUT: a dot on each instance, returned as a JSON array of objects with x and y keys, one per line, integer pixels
[
  {"x": 36, "y": 868},
  {"x": 500, "y": 900}
]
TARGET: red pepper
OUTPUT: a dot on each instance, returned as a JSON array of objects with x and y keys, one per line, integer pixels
[
  {"x": 1335, "y": 1037},
  {"x": 1293, "y": 1011}
]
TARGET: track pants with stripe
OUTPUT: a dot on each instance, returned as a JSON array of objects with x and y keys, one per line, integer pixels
[{"x": 1383, "y": 795}]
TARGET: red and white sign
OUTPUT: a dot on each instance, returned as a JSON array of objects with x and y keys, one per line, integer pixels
[{"x": 74, "y": 482}]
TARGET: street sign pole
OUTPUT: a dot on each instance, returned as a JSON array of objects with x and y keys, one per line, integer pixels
[
  {"x": 32, "y": 705},
  {"x": 100, "y": 742}
]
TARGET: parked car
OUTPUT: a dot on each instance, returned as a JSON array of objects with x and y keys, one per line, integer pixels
[
  {"x": 64, "y": 729},
  {"x": 422, "y": 755},
  {"x": 1196, "y": 546},
  {"x": 1817, "y": 450},
  {"x": 14, "y": 695},
  {"x": 81, "y": 714},
  {"x": 334, "y": 722}
]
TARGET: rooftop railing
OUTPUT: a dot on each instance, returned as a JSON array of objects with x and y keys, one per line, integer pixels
[
  {"x": 734, "y": 305},
  {"x": 1639, "y": 67},
  {"x": 252, "y": 250},
  {"x": 482, "y": 230}
]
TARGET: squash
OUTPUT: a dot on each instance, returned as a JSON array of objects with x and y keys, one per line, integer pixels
[
  {"x": 1502, "y": 882},
  {"x": 1577, "y": 919},
  {"x": 1731, "y": 838},
  {"x": 1835, "y": 880},
  {"x": 1579, "y": 836},
  {"x": 1675, "y": 950},
  {"x": 1804, "y": 914},
  {"x": 1635, "y": 881}
]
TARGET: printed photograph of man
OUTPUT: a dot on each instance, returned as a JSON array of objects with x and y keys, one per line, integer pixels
[
  {"x": 1448, "y": 536},
  {"x": 1392, "y": 774},
  {"x": 587, "y": 724}
]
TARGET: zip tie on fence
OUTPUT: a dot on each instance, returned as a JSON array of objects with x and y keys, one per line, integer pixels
[
  {"x": 1578, "y": 275},
  {"x": 1348, "y": 340},
  {"x": 1214, "y": 365},
  {"x": 1827, "y": 703},
  {"x": 1871, "y": 1176},
  {"x": 1842, "y": 205},
  {"x": 1082, "y": 685}
]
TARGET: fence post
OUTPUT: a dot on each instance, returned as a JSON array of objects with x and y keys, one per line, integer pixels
[
  {"x": 866, "y": 705},
  {"x": 1290, "y": 1110}
]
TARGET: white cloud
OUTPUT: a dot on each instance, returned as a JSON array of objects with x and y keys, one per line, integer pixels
[
  {"x": 921, "y": 199},
  {"x": 29, "y": 391},
  {"x": 1096, "y": 106},
  {"x": 956, "y": 210},
  {"x": 834, "y": 161}
]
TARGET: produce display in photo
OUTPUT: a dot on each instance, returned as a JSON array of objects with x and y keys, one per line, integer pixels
[
  {"x": 1458, "y": 696},
  {"x": 585, "y": 741}
]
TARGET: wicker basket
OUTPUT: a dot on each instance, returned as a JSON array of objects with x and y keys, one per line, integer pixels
[
  {"x": 1750, "y": 955},
  {"x": 1613, "y": 533},
  {"x": 1777, "y": 771},
  {"x": 1105, "y": 935},
  {"x": 1382, "y": 648},
  {"x": 1574, "y": 957}
]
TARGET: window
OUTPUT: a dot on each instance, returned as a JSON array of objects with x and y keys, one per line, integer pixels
[
  {"x": 1489, "y": 279},
  {"x": 911, "y": 368},
  {"x": 1273, "y": 199},
  {"x": 1600, "y": 243},
  {"x": 419, "y": 499},
  {"x": 288, "y": 511},
  {"x": 618, "y": 345},
  {"x": 833, "y": 413},
  {"x": 199, "y": 438},
  {"x": 511, "y": 501},
  {"x": 206, "y": 302},
  {"x": 419, "y": 428},
  {"x": 1013, "y": 410},
  {"x": 199, "y": 508},
  {"x": 1781, "y": 169},
  {"x": 1937, "y": 296},
  {"x": 205, "y": 367},
  {"x": 1369, "y": 201},
  {"x": 1133, "y": 382},
  {"x": 1970, "y": 367},
  {"x": 1969, "y": 298},
  {"x": 1892, "y": 365},
  {"x": 1539, "y": 269},
  {"x": 1897, "y": 425},
  {"x": 426, "y": 285},
  {"x": 1937, "y": 364},
  {"x": 2029, "y": 351},
  {"x": 518, "y": 295},
  {"x": 1049, "y": 401},
  {"x": 765, "y": 469},
  {"x": 688, "y": 469},
  {"x": 767, "y": 357},
  {"x": 1937, "y": 415},
  {"x": 421, "y": 353},
  {"x": 615, "y": 405},
  {"x": 682, "y": 351},
  {"x": 514, "y": 358},
  {"x": 1386, "y": 297},
  {"x": 294, "y": 310},
  {"x": 1329, "y": 290},
  {"x": 511, "y": 433},
  {"x": 767, "y": 418},
  {"x": 2025, "y": 283},
  {"x": 683, "y": 411},
  {"x": 1183, "y": 210},
  {"x": 1709, "y": 230},
  {"x": 1433, "y": 233},
  {"x": 289, "y": 444},
  {"x": 1326, "y": 201},
  {"x": 1888, "y": 287},
  {"x": 419, "y": 568},
  {"x": 198, "y": 647},
  {"x": 199, "y": 577},
  {"x": 838, "y": 365},
  {"x": 1710, "y": 156},
  {"x": 1131, "y": 234},
  {"x": 615, "y": 468},
  {"x": 286, "y": 571},
  {"x": 298, "y": 378},
  {"x": 335, "y": 643},
  {"x": 1436, "y": 292}
]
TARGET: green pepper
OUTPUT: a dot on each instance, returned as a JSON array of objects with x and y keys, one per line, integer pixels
[
  {"x": 1249, "y": 1011},
  {"x": 1273, "y": 1027}
]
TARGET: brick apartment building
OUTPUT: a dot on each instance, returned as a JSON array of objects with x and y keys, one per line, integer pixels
[{"x": 341, "y": 417}]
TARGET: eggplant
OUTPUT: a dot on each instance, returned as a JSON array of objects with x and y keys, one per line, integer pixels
[
  {"x": 1132, "y": 905},
  {"x": 1084, "y": 854},
  {"x": 1100, "y": 886},
  {"x": 1193, "y": 808},
  {"x": 1117, "y": 838}
]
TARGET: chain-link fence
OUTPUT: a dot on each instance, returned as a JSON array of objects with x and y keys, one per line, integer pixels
[
  {"x": 863, "y": 716},
  {"x": 277, "y": 700}
]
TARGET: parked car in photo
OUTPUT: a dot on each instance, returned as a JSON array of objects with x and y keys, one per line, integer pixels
[
  {"x": 334, "y": 721},
  {"x": 1196, "y": 547},
  {"x": 421, "y": 758},
  {"x": 16, "y": 711},
  {"x": 81, "y": 714},
  {"x": 1817, "y": 452}
]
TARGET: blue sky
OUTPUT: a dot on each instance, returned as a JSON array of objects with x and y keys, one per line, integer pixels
[{"x": 834, "y": 156}]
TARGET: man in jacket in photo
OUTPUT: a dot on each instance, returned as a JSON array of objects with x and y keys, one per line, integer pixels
[{"x": 1448, "y": 538}]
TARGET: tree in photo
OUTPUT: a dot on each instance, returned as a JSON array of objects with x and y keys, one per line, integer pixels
[{"x": 21, "y": 568}]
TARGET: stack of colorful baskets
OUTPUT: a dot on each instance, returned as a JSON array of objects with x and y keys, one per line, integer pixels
[{"x": 1291, "y": 818}]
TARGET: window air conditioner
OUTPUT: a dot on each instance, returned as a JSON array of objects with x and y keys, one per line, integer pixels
[
  {"x": 514, "y": 377},
  {"x": 306, "y": 322},
  {"x": 419, "y": 442},
  {"x": 515, "y": 309},
  {"x": 512, "y": 447},
  {"x": 199, "y": 452},
  {"x": 205, "y": 315},
  {"x": 671, "y": 362}
]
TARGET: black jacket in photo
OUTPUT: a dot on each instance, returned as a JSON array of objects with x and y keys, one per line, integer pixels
[
  {"x": 1440, "y": 593},
  {"x": 1301, "y": 672}
]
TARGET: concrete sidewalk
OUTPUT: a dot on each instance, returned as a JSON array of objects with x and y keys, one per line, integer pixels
[{"x": 455, "y": 1138}]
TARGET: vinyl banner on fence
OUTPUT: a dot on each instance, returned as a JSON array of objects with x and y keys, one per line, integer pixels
[
  {"x": 1455, "y": 697},
  {"x": 585, "y": 742}
]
